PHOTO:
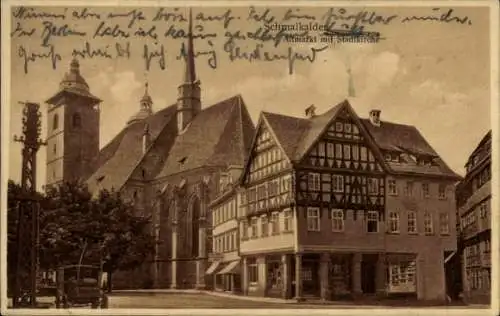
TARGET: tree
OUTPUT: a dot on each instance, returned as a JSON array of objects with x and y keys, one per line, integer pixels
[
  {"x": 79, "y": 229},
  {"x": 128, "y": 240}
]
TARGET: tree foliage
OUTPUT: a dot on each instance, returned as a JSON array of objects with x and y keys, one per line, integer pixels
[{"x": 76, "y": 227}]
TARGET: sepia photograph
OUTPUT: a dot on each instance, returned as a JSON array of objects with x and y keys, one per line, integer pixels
[{"x": 239, "y": 157}]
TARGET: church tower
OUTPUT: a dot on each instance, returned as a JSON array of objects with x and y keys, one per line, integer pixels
[
  {"x": 72, "y": 129},
  {"x": 189, "y": 99}
]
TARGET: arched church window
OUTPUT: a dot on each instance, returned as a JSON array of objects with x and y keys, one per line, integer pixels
[
  {"x": 55, "y": 122},
  {"x": 195, "y": 226},
  {"x": 77, "y": 120}
]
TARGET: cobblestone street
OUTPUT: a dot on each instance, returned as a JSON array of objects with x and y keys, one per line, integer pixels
[{"x": 188, "y": 300}]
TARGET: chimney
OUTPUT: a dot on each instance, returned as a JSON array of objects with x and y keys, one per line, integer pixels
[
  {"x": 146, "y": 139},
  {"x": 310, "y": 111},
  {"x": 375, "y": 117}
]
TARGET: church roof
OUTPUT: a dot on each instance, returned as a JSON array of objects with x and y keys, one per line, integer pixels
[
  {"x": 119, "y": 158},
  {"x": 297, "y": 135},
  {"x": 219, "y": 135}
]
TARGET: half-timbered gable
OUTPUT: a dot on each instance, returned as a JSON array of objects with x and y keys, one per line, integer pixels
[
  {"x": 267, "y": 177},
  {"x": 341, "y": 168}
]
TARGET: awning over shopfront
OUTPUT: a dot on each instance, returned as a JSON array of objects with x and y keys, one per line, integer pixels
[
  {"x": 232, "y": 267},
  {"x": 212, "y": 267}
]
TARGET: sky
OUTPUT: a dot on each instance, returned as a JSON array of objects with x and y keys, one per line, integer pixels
[{"x": 433, "y": 75}]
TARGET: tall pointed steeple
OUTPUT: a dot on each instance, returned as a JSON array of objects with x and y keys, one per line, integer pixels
[
  {"x": 190, "y": 71},
  {"x": 189, "y": 99},
  {"x": 350, "y": 84}
]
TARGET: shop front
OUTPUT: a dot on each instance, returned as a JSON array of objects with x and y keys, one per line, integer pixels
[{"x": 228, "y": 278}]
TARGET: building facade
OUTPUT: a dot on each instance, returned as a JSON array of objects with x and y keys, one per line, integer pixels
[
  {"x": 334, "y": 206},
  {"x": 474, "y": 224},
  {"x": 224, "y": 271}
]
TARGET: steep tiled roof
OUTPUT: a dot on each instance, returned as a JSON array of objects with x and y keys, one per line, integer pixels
[
  {"x": 399, "y": 137},
  {"x": 236, "y": 140},
  {"x": 288, "y": 130},
  {"x": 297, "y": 135},
  {"x": 407, "y": 138},
  {"x": 119, "y": 158},
  {"x": 216, "y": 136}
]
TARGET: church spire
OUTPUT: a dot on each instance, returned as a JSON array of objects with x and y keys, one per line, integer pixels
[
  {"x": 146, "y": 101},
  {"x": 350, "y": 84},
  {"x": 189, "y": 98},
  {"x": 190, "y": 72},
  {"x": 146, "y": 106}
]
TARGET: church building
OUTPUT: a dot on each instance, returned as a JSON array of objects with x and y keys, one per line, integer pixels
[{"x": 167, "y": 163}]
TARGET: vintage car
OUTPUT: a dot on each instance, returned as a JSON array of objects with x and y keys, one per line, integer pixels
[{"x": 80, "y": 285}]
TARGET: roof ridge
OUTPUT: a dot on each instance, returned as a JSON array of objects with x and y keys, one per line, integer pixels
[
  {"x": 240, "y": 122},
  {"x": 283, "y": 115},
  {"x": 390, "y": 122},
  {"x": 221, "y": 102}
]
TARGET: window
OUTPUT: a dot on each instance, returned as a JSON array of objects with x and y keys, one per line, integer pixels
[
  {"x": 338, "y": 151},
  {"x": 483, "y": 211},
  {"x": 372, "y": 222},
  {"x": 55, "y": 122},
  {"x": 321, "y": 149},
  {"x": 337, "y": 220},
  {"x": 425, "y": 190},
  {"x": 444, "y": 226},
  {"x": 442, "y": 191},
  {"x": 428, "y": 229},
  {"x": 347, "y": 152},
  {"x": 338, "y": 183},
  {"x": 393, "y": 190},
  {"x": 244, "y": 230},
  {"x": 272, "y": 188},
  {"x": 412, "y": 222},
  {"x": 403, "y": 274},
  {"x": 372, "y": 186},
  {"x": 409, "y": 188},
  {"x": 254, "y": 228},
  {"x": 393, "y": 222},
  {"x": 314, "y": 182},
  {"x": 275, "y": 222},
  {"x": 253, "y": 271},
  {"x": 355, "y": 152},
  {"x": 252, "y": 195},
  {"x": 77, "y": 120},
  {"x": 261, "y": 192},
  {"x": 313, "y": 219},
  {"x": 264, "y": 227},
  {"x": 363, "y": 153},
  {"x": 339, "y": 126},
  {"x": 330, "y": 150},
  {"x": 288, "y": 220}
]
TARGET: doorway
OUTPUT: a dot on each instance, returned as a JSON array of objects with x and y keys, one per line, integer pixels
[{"x": 368, "y": 274}]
